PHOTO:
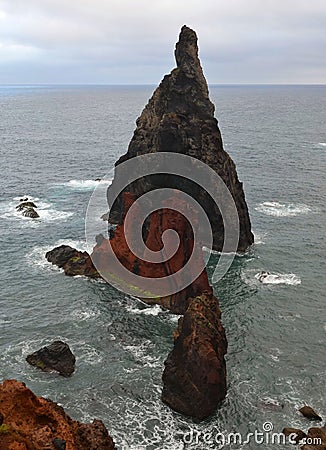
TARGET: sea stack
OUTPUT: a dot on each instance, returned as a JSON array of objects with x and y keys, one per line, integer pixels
[{"x": 179, "y": 118}]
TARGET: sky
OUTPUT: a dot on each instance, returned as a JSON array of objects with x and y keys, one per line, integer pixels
[{"x": 132, "y": 41}]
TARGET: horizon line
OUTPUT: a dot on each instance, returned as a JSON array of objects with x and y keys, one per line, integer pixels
[{"x": 155, "y": 84}]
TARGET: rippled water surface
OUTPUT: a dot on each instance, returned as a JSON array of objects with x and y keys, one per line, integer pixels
[{"x": 54, "y": 142}]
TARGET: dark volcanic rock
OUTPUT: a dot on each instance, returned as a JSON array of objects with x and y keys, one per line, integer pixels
[
  {"x": 309, "y": 413},
  {"x": 25, "y": 205},
  {"x": 30, "y": 212},
  {"x": 180, "y": 118},
  {"x": 59, "y": 444},
  {"x": 194, "y": 378},
  {"x": 34, "y": 423},
  {"x": 72, "y": 261},
  {"x": 56, "y": 356}
]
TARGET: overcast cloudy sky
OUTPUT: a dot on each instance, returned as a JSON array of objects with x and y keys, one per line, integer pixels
[{"x": 132, "y": 41}]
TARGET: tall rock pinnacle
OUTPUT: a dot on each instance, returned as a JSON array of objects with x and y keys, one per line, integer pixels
[{"x": 179, "y": 118}]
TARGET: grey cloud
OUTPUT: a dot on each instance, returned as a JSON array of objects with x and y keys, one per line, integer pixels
[{"x": 123, "y": 41}]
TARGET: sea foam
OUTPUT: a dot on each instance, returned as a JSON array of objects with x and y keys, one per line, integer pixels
[
  {"x": 45, "y": 210},
  {"x": 36, "y": 256},
  {"x": 283, "y": 209},
  {"x": 85, "y": 184},
  {"x": 252, "y": 278}
]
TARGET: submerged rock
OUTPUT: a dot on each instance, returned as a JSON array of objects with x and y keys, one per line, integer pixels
[
  {"x": 72, "y": 261},
  {"x": 179, "y": 118},
  {"x": 37, "y": 423},
  {"x": 309, "y": 413},
  {"x": 55, "y": 357}
]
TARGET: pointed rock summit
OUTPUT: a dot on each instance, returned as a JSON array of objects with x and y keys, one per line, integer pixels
[{"x": 179, "y": 118}]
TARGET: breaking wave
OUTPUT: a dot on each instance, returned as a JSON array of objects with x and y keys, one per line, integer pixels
[{"x": 283, "y": 209}]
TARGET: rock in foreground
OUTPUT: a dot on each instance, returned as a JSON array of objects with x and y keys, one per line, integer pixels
[
  {"x": 36, "y": 423},
  {"x": 55, "y": 357}
]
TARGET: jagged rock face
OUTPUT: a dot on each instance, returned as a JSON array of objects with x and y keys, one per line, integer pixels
[
  {"x": 194, "y": 378},
  {"x": 180, "y": 118},
  {"x": 30, "y": 212},
  {"x": 56, "y": 357},
  {"x": 72, "y": 261},
  {"x": 159, "y": 221},
  {"x": 36, "y": 423}
]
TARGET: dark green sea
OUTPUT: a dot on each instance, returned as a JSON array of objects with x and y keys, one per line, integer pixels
[{"x": 54, "y": 141}]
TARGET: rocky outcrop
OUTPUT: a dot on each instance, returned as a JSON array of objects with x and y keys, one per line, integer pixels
[
  {"x": 194, "y": 378},
  {"x": 180, "y": 118},
  {"x": 54, "y": 357},
  {"x": 310, "y": 413},
  {"x": 72, "y": 261},
  {"x": 31, "y": 213},
  {"x": 35, "y": 423},
  {"x": 160, "y": 221},
  {"x": 24, "y": 205},
  {"x": 27, "y": 208},
  {"x": 314, "y": 439}
]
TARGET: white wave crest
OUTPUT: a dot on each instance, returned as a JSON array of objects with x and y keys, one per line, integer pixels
[
  {"x": 36, "y": 257},
  {"x": 259, "y": 238},
  {"x": 283, "y": 209},
  {"x": 85, "y": 184},
  {"x": 148, "y": 311},
  {"x": 323, "y": 144},
  {"x": 252, "y": 278},
  {"x": 46, "y": 211},
  {"x": 279, "y": 278}
]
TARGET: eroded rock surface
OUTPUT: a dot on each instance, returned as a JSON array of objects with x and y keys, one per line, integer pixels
[
  {"x": 36, "y": 423},
  {"x": 54, "y": 357},
  {"x": 194, "y": 378},
  {"x": 72, "y": 261},
  {"x": 179, "y": 118}
]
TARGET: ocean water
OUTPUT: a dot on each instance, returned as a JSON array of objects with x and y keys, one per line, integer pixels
[{"x": 55, "y": 140}]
